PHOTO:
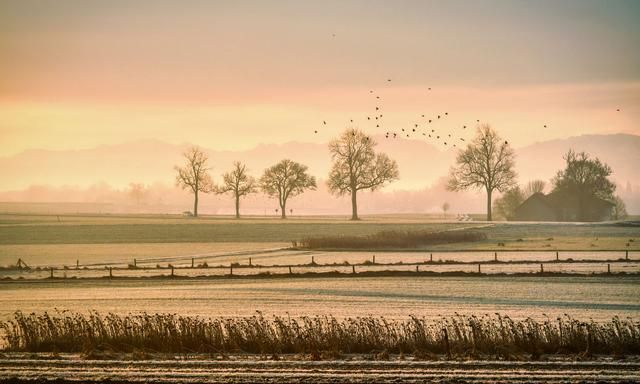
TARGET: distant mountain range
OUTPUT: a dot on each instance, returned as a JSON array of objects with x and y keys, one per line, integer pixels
[{"x": 421, "y": 164}]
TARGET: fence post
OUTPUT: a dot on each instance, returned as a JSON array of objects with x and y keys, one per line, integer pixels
[
  {"x": 77, "y": 264},
  {"x": 479, "y": 268},
  {"x": 193, "y": 263},
  {"x": 626, "y": 255},
  {"x": 52, "y": 272},
  {"x": 172, "y": 271},
  {"x": 110, "y": 272},
  {"x": 557, "y": 256},
  {"x": 608, "y": 268},
  {"x": 374, "y": 259},
  {"x": 541, "y": 268},
  {"x": 431, "y": 257},
  {"x": 135, "y": 263},
  {"x": 249, "y": 261},
  {"x": 231, "y": 270},
  {"x": 312, "y": 260},
  {"x": 417, "y": 268},
  {"x": 290, "y": 270},
  {"x": 353, "y": 269},
  {"x": 495, "y": 256}
]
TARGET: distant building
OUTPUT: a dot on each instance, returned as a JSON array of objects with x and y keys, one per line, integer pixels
[{"x": 559, "y": 206}]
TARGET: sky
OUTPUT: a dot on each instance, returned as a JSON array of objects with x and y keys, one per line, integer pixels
[{"x": 232, "y": 75}]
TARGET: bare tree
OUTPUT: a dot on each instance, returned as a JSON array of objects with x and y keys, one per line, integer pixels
[
  {"x": 445, "y": 208},
  {"x": 137, "y": 192},
  {"x": 284, "y": 180},
  {"x": 238, "y": 183},
  {"x": 356, "y": 166},
  {"x": 533, "y": 186},
  {"x": 620, "y": 209},
  {"x": 487, "y": 162},
  {"x": 506, "y": 205},
  {"x": 584, "y": 178},
  {"x": 194, "y": 175}
]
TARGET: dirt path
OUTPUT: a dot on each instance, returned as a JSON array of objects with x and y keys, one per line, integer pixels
[{"x": 73, "y": 370}]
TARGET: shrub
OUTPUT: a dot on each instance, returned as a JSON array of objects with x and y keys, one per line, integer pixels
[{"x": 392, "y": 239}]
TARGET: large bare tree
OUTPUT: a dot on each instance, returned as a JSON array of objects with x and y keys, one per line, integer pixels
[
  {"x": 284, "y": 180},
  {"x": 356, "y": 166},
  {"x": 584, "y": 178},
  {"x": 487, "y": 162},
  {"x": 194, "y": 175},
  {"x": 239, "y": 183}
]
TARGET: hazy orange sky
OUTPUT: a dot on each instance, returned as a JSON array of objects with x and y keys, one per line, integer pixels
[{"x": 231, "y": 75}]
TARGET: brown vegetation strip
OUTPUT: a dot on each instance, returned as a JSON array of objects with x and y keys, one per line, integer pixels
[
  {"x": 321, "y": 337},
  {"x": 392, "y": 239}
]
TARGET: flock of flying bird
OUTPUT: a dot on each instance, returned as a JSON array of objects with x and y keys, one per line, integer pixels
[{"x": 426, "y": 128}]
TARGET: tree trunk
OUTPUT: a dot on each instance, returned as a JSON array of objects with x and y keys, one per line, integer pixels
[
  {"x": 237, "y": 207},
  {"x": 283, "y": 213},
  {"x": 195, "y": 204},
  {"x": 354, "y": 205},
  {"x": 489, "y": 205}
]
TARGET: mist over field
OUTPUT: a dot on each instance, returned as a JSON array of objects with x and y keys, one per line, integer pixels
[{"x": 102, "y": 175}]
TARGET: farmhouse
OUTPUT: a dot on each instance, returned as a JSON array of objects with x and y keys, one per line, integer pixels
[{"x": 559, "y": 206}]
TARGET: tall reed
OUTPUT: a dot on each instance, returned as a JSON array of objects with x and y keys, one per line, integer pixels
[{"x": 466, "y": 335}]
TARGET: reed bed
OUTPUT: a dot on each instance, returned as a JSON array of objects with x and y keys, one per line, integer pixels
[
  {"x": 487, "y": 335},
  {"x": 392, "y": 239}
]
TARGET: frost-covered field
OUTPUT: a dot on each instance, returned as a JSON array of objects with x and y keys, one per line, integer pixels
[
  {"x": 355, "y": 369},
  {"x": 584, "y": 297}
]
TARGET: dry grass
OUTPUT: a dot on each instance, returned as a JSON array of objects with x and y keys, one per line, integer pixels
[
  {"x": 470, "y": 336},
  {"x": 393, "y": 239}
]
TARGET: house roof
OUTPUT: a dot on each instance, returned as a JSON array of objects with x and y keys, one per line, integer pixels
[{"x": 563, "y": 198}]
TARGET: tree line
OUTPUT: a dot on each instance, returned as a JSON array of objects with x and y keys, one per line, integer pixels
[
  {"x": 487, "y": 162},
  {"x": 356, "y": 166}
]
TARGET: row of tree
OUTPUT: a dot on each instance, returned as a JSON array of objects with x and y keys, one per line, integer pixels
[
  {"x": 487, "y": 163},
  {"x": 356, "y": 166}
]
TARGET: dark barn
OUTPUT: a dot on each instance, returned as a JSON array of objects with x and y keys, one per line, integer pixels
[{"x": 558, "y": 206}]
